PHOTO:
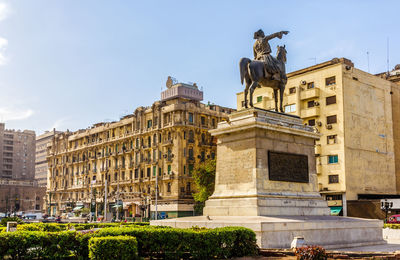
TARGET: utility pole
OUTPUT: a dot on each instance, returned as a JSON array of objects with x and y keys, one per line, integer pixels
[
  {"x": 91, "y": 200},
  {"x": 156, "y": 214},
  {"x": 117, "y": 206},
  {"x": 105, "y": 197}
]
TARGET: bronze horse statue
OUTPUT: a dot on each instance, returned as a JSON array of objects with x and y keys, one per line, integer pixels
[{"x": 253, "y": 73}]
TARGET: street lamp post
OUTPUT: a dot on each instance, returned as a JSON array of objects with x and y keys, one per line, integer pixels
[{"x": 386, "y": 206}]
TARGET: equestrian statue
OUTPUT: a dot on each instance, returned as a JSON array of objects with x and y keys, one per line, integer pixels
[{"x": 265, "y": 70}]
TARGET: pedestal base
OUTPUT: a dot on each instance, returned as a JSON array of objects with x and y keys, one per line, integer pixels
[{"x": 278, "y": 231}]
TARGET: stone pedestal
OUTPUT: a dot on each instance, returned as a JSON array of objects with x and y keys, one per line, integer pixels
[
  {"x": 265, "y": 167},
  {"x": 266, "y": 181}
]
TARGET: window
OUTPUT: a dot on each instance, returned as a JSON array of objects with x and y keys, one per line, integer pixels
[
  {"x": 330, "y": 81},
  {"x": 311, "y": 122},
  {"x": 259, "y": 99},
  {"x": 148, "y": 172},
  {"x": 331, "y": 119},
  {"x": 331, "y": 100},
  {"x": 331, "y": 139},
  {"x": 332, "y": 159},
  {"x": 169, "y": 169},
  {"x": 149, "y": 123},
  {"x": 290, "y": 108},
  {"x": 191, "y": 157},
  {"x": 292, "y": 90},
  {"x": 242, "y": 103},
  {"x": 310, "y": 103},
  {"x": 154, "y": 170},
  {"x": 191, "y": 167},
  {"x": 168, "y": 187},
  {"x": 191, "y": 118},
  {"x": 184, "y": 169},
  {"x": 333, "y": 178},
  {"x": 310, "y": 85},
  {"x": 203, "y": 120}
]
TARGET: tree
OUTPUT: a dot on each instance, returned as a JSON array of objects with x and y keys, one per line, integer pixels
[{"x": 204, "y": 179}]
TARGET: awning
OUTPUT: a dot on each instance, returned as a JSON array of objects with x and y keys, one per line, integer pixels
[
  {"x": 335, "y": 211},
  {"x": 117, "y": 206},
  {"x": 77, "y": 208}
]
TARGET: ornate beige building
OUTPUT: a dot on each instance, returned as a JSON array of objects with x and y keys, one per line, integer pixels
[
  {"x": 357, "y": 115},
  {"x": 124, "y": 160}
]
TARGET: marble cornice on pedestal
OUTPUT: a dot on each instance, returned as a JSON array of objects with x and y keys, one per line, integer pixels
[{"x": 259, "y": 118}]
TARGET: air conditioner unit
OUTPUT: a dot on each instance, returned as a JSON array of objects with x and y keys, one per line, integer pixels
[
  {"x": 318, "y": 123},
  {"x": 303, "y": 82},
  {"x": 329, "y": 126},
  {"x": 316, "y": 103}
]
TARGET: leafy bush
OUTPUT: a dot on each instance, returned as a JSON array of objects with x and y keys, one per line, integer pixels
[
  {"x": 117, "y": 247},
  {"x": 392, "y": 226},
  {"x": 311, "y": 253},
  {"x": 174, "y": 243},
  {"x": 15, "y": 219},
  {"x": 37, "y": 244},
  {"x": 3, "y": 229},
  {"x": 48, "y": 227}
]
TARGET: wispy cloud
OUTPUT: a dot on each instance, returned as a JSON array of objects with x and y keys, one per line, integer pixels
[
  {"x": 3, "y": 45},
  {"x": 4, "y": 11},
  {"x": 9, "y": 114}
]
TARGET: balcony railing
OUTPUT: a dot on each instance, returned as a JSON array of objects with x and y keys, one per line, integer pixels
[{"x": 309, "y": 93}]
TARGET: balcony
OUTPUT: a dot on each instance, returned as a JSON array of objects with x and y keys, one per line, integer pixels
[
  {"x": 309, "y": 93},
  {"x": 309, "y": 112}
]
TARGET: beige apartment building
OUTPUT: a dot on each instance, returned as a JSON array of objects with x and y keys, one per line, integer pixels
[
  {"x": 18, "y": 189},
  {"x": 123, "y": 162},
  {"x": 357, "y": 115},
  {"x": 41, "y": 153}
]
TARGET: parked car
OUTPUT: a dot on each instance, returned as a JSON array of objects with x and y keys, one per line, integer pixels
[{"x": 394, "y": 219}]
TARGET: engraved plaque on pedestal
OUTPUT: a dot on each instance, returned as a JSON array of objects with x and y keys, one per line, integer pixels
[{"x": 288, "y": 167}]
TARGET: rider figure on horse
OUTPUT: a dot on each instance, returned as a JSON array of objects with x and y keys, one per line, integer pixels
[{"x": 262, "y": 52}]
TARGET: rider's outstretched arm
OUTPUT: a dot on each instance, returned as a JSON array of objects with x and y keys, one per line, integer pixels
[{"x": 276, "y": 35}]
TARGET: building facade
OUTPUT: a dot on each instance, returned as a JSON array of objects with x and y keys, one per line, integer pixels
[
  {"x": 18, "y": 189},
  {"x": 355, "y": 113},
  {"x": 139, "y": 163},
  {"x": 40, "y": 157}
]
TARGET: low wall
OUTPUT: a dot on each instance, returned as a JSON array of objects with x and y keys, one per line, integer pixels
[{"x": 391, "y": 234}]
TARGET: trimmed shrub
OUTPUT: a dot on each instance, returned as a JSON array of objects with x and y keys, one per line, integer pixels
[
  {"x": 392, "y": 226},
  {"x": 174, "y": 243},
  {"x": 15, "y": 219},
  {"x": 37, "y": 244},
  {"x": 48, "y": 227},
  {"x": 116, "y": 247}
]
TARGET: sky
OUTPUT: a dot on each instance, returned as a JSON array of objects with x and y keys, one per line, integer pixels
[{"x": 68, "y": 64}]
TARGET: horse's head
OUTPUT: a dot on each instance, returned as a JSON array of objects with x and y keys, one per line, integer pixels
[{"x": 281, "y": 53}]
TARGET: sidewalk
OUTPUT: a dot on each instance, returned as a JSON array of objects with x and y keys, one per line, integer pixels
[{"x": 391, "y": 246}]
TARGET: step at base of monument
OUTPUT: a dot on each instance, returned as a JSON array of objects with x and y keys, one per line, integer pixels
[
  {"x": 329, "y": 232},
  {"x": 266, "y": 207}
]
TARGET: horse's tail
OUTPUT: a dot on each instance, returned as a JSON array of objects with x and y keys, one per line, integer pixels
[{"x": 243, "y": 65}]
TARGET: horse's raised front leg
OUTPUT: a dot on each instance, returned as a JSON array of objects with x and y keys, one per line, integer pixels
[
  {"x": 276, "y": 99},
  {"x": 252, "y": 88}
]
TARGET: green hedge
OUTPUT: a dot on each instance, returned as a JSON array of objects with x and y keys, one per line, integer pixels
[
  {"x": 392, "y": 226},
  {"x": 152, "y": 241},
  {"x": 117, "y": 247},
  {"x": 55, "y": 227},
  {"x": 174, "y": 243},
  {"x": 4, "y": 221}
]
